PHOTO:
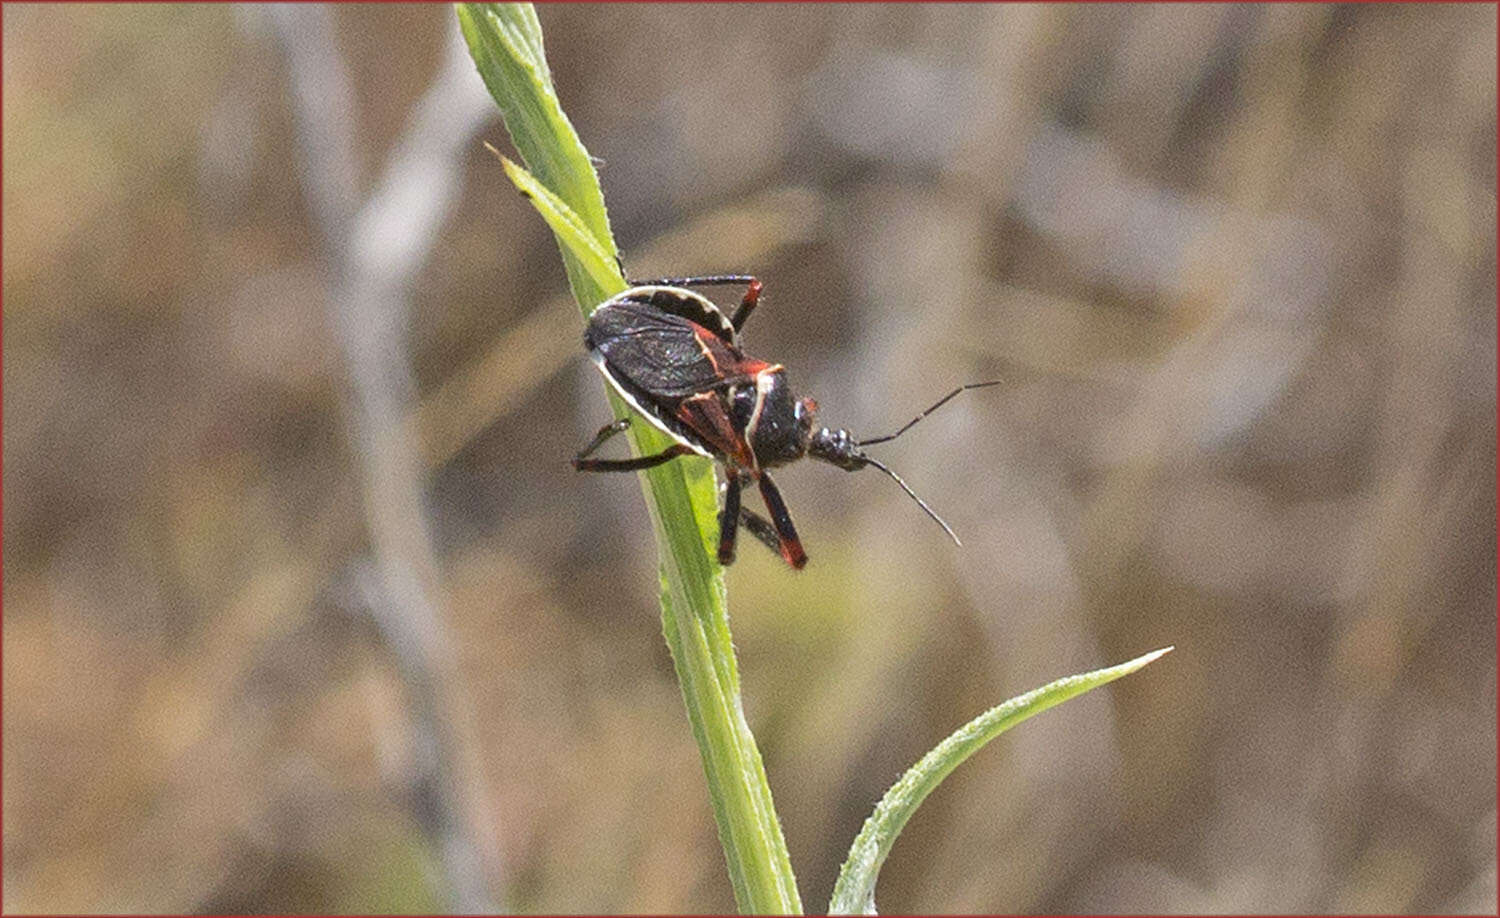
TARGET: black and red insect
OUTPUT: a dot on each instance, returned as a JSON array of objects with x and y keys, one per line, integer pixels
[{"x": 675, "y": 357}]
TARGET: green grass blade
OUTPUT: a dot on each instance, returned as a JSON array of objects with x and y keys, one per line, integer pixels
[
  {"x": 854, "y": 893},
  {"x": 505, "y": 41},
  {"x": 573, "y": 236}
]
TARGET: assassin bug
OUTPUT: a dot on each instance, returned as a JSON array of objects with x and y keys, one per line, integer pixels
[{"x": 675, "y": 357}]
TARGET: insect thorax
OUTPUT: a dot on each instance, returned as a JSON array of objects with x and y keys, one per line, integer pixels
[{"x": 779, "y": 424}]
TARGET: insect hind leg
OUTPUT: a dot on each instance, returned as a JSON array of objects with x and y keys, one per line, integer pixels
[
  {"x": 697, "y": 280},
  {"x": 631, "y": 465},
  {"x": 605, "y": 432},
  {"x": 747, "y": 304},
  {"x": 582, "y": 463}
]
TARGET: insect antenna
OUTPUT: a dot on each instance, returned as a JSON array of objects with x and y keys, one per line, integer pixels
[
  {"x": 909, "y": 424},
  {"x": 913, "y": 494}
]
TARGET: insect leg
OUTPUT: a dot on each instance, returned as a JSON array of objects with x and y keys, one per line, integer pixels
[
  {"x": 747, "y": 305},
  {"x": 761, "y": 528},
  {"x": 605, "y": 432},
  {"x": 701, "y": 280},
  {"x": 630, "y": 465},
  {"x": 729, "y": 519},
  {"x": 786, "y": 534}
]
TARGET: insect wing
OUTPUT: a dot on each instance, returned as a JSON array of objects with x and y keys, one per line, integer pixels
[
  {"x": 685, "y": 304},
  {"x": 663, "y": 356},
  {"x": 707, "y": 416}
]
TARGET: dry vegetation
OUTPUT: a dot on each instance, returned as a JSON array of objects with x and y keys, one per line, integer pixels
[{"x": 1239, "y": 263}]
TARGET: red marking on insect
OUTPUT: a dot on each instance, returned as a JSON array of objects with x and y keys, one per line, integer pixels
[{"x": 675, "y": 357}]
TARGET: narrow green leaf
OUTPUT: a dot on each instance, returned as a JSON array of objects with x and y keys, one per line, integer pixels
[
  {"x": 505, "y": 41},
  {"x": 854, "y": 893},
  {"x": 567, "y": 226}
]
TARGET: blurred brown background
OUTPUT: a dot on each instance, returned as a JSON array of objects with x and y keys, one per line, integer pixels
[{"x": 305, "y": 609}]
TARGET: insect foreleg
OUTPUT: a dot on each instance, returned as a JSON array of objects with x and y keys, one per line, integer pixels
[
  {"x": 786, "y": 534},
  {"x": 761, "y": 528}
]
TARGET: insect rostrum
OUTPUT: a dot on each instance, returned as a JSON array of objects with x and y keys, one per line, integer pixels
[{"x": 674, "y": 356}]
